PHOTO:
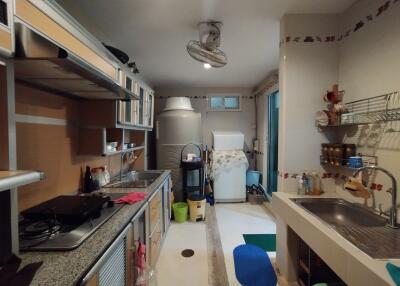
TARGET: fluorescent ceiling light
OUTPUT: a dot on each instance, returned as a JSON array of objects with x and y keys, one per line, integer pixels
[{"x": 207, "y": 66}]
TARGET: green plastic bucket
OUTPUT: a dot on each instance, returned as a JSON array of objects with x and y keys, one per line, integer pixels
[{"x": 180, "y": 211}]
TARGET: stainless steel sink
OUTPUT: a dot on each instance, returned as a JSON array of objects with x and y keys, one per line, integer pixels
[
  {"x": 359, "y": 225},
  {"x": 139, "y": 179}
]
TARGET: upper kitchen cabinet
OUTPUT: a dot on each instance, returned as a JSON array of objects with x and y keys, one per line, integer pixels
[
  {"x": 6, "y": 28},
  {"x": 148, "y": 108},
  {"x": 137, "y": 114},
  {"x": 54, "y": 52},
  {"x": 130, "y": 114}
]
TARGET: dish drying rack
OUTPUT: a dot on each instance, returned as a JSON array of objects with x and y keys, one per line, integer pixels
[{"x": 382, "y": 108}]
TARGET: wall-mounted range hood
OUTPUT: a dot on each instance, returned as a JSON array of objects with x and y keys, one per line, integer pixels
[{"x": 41, "y": 63}]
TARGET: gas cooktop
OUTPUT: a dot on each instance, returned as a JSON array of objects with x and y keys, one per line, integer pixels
[{"x": 64, "y": 222}]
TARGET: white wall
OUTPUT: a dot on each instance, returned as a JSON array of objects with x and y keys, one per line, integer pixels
[
  {"x": 369, "y": 59},
  {"x": 72, "y": 7},
  {"x": 243, "y": 120},
  {"x": 307, "y": 70},
  {"x": 369, "y": 65}
]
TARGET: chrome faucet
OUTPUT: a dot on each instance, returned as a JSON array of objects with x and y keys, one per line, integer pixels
[
  {"x": 131, "y": 154},
  {"x": 392, "y": 191}
]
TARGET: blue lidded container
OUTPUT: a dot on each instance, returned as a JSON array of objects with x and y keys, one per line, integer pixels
[
  {"x": 355, "y": 162},
  {"x": 252, "y": 178}
]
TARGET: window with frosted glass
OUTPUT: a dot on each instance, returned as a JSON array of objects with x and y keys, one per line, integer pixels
[
  {"x": 224, "y": 102},
  {"x": 217, "y": 102},
  {"x": 231, "y": 102}
]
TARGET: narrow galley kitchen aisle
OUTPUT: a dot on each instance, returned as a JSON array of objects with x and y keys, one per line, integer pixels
[
  {"x": 213, "y": 242},
  {"x": 239, "y": 220}
]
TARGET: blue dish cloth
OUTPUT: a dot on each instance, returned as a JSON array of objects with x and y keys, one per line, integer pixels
[
  {"x": 394, "y": 272},
  {"x": 253, "y": 267}
]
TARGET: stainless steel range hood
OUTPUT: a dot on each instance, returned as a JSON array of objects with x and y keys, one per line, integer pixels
[{"x": 41, "y": 63}]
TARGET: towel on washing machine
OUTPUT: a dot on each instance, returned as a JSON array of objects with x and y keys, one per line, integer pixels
[{"x": 225, "y": 160}]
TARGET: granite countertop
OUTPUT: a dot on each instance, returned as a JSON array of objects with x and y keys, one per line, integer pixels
[
  {"x": 67, "y": 267},
  {"x": 350, "y": 263}
]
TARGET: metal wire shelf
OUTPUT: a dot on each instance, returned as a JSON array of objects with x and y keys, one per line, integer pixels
[
  {"x": 382, "y": 108},
  {"x": 368, "y": 160}
]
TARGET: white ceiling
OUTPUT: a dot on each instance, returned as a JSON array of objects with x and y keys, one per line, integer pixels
[{"x": 154, "y": 33}]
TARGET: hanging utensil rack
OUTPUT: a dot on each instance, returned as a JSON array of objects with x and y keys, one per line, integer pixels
[{"x": 377, "y": 109}]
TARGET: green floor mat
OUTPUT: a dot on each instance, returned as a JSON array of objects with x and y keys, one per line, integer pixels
[{"x": 264, "y": 241}]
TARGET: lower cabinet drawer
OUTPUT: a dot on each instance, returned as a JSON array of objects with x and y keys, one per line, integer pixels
[{"x": 155, "y": 244}]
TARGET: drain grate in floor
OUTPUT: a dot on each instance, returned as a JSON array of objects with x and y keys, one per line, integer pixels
[{"x": 187, "y": 253}]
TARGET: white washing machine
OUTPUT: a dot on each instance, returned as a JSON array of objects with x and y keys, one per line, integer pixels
[{"x": 230, "y": 182}]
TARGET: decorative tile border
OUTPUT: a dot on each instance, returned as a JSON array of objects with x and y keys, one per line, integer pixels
[
  {"x": 201, "y": 97},
  {"x": 333, "y": 38},
  {"x": 328, "y": 175}
]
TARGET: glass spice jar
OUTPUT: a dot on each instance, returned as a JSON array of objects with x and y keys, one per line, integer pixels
[
  {"x": 331, "y": 155},
  {"x": 325, "y": 153},
  {"x": 349, "y": 151},
  {"x": 338, "y": 152}
]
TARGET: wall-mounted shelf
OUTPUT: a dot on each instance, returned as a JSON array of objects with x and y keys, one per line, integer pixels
[
  {"x": 93, "y": 140},
  {"x": 368, "y": 160},
  {"x": 378, "y": 109}
]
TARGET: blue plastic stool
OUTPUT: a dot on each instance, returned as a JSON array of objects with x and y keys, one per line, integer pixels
[{"x": 253, "y": 267}]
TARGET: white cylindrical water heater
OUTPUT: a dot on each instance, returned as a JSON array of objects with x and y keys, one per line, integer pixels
[{"x": 176, "y": 126}]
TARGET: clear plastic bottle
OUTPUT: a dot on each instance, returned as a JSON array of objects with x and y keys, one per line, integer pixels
[{"x": 300, "y": 186}]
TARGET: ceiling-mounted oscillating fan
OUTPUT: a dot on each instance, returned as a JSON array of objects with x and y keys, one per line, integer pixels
[{"x": 206, "y": 49}]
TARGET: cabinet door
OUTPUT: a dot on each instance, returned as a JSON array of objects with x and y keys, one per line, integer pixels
[
  {"x": 145, "y": 109},
  {"x": 155, "y": 210},
  {"x": 155, "y": 245},
  {"x": 166, "y": 206},
  {"x": 121, "y": 111},
  {"x": 136, "y": 88},
  {"x": 113, "y": 271},
  {"x": 141, "y": 106},
  {"x": 111, "y": 268},
  {"x": 138, "y": 236},
  {"x": 150, "y": 109},
  {"x": 128, "y": 83},
  {"x": 134, "y": 116},
  {"x": 128, "y": 112}
]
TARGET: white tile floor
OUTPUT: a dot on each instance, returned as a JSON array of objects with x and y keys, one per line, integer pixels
[
  {"x": 172, "y": 268},
  {"x": 234, "y": 220}
]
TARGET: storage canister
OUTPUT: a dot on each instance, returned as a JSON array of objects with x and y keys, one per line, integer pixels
[{"x": 197, "y": 207}]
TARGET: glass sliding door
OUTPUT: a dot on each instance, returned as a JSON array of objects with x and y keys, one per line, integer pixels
[{"x": 272, "y": 143}]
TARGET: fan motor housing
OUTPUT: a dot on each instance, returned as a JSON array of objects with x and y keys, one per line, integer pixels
[
  {"x": 206, "y": 50},
  {"x": 210, "y": 34}
]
